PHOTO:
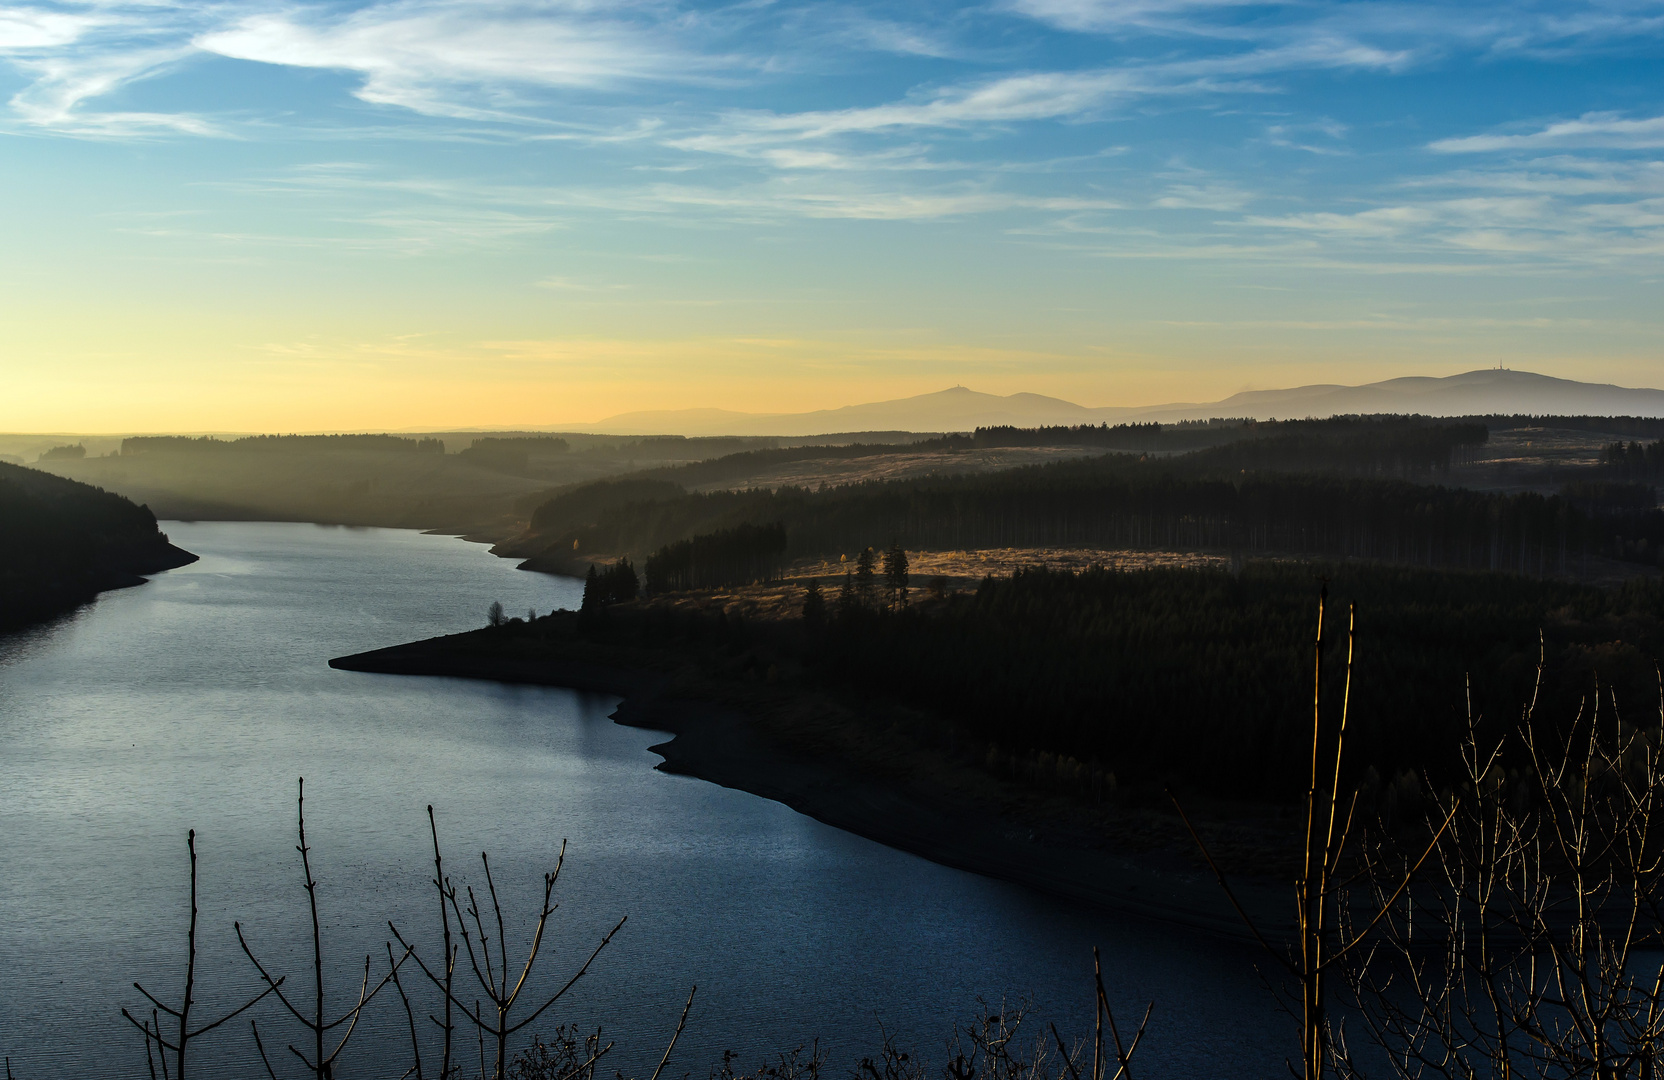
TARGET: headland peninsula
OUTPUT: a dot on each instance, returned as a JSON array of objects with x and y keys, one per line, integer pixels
[
  {"x": 64, "y": 542},
  {"x": 1030, "y": 726}
]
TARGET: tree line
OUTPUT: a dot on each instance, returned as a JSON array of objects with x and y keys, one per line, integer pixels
[
  {"x": 1201, "y": 678},
  {"x": 1635, "y": 461},
  {"x": 1404, "y": 447},
  {"x": 61, "y": 542},
  {"x": 143, "y": 444},
  {"x": 1346, "y": 487},
  {"x": 1641, "y": 427},
  {"x": 1116, "y": 502},
  {"x": 1389, "y": 445},
  {"x": 510, "y": 455},
  {"x": 740, "y": 555},
  {"x": 1372, "y": 445}
]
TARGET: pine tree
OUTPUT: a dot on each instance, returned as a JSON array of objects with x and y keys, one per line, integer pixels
[
  {"x": 895, "y": 574},
  {"x": 864, "y": 577},
  {"x": 814, "y": 606},
  {"x": 593, "y": 590},
  {"x": 622, "y": 582},
  {"x": 848, "y": 601}
]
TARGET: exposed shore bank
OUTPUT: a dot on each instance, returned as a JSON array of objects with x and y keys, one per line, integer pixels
[{"x": 776, "y": 745}]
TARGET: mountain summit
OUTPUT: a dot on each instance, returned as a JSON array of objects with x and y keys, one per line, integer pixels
[
  {"x": 955, "y": 409},
  {"x": 1472, "y": 393}
]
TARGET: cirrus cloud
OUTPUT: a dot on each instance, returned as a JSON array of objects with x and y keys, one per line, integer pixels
[
  {"x": 1591, "y": 131},
  {"x": 461, "y": 59}
]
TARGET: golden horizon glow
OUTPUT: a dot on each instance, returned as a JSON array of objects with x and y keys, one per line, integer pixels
[
  {"x": 363, "y": 396},
  {"x": 335, "y": 217}
]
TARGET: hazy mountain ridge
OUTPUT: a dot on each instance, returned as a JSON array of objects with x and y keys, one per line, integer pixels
[{"x": 1492, "y": 391}]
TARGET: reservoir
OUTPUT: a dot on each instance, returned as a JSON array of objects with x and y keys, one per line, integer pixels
[{"x": 196, "y": 700}]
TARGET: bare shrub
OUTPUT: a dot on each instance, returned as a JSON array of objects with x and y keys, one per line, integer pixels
[
  {"x": 321, "y": 1064},
  {"x": 1532, "y": 950}
]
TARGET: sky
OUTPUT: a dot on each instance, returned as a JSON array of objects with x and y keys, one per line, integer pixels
[{"x": 451, "y": 213}]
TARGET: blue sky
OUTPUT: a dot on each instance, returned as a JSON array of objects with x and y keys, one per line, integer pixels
[{"x": 434, "y": 212}]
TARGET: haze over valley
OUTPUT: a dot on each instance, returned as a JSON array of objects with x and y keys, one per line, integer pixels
[{"x": 1495, "y": 392}]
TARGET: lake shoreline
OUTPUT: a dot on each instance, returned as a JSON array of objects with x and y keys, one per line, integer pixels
[
  {"x": 739, "y": 744},
  {"x": 54, "y": 597}
]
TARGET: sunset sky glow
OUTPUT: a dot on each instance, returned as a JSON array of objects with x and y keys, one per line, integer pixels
[{"x": 445, "y": 213}]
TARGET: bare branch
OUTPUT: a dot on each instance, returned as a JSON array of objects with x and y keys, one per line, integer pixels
[
  {"x": 258, "y": 1046},
  {"x": 573, "y": 980},
  {"x": 1225, "y": 885},
  {"x": 677, "y": 1034}
]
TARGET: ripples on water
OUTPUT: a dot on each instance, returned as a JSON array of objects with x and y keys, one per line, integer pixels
[{"x": 197, "y": 699}]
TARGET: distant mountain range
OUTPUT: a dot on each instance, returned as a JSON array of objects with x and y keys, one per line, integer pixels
[{"x": 1489, "y": 391}]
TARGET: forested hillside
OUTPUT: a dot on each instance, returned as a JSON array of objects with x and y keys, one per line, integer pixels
[
  {"x": 207, "y": 444},
  {"x": 1197, "y": 677},
  {"x": 63, "y": 542},
  {"x": 1205, "y": 676},
  {"x": 1401, "y": 446},
  {"x": 1126, "y": 502}
]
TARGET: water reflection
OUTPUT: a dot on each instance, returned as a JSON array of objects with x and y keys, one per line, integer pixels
[{"x": 196, "y": 700}]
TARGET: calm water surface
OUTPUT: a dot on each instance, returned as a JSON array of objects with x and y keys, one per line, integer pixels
[{"x": 195, "y": 701}]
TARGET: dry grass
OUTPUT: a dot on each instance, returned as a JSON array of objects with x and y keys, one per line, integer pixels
[
  {"x": 959, "y": 570},
  {"x": 1538, "y": 447},
  {"x": 973, "y": 566}
]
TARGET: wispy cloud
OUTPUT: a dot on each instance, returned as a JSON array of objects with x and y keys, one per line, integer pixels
[
  {"x": 1109, "y": 15},
  {"x": 1215, "y": 195},
  {"x": 515, "y": 60},
  {"x": 440, "y": 213},
  {"x": 1012, "y": 99},
  {"x": 854, "y": 28},
  {"x": 73, "y": 57},
  {"x": 1028, "y": 97},
  {"x": 1606, "y": 131},
  {"x": 765, "y": 112},
  {"x": 1381, "y": 222},
  {"x": 28, "y": 28},
  {"x": 1537, "y": 222},
  {"x": 463, "y": 59},
  {"x": 1492, "y": 26}
]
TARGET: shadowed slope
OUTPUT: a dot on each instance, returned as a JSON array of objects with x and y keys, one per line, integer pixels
[{"x": 63, "y": 542}]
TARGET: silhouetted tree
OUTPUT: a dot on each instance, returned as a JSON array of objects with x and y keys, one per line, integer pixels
[
  {"x": 621, "y": 581},
  {"x": 617, "y": 582},
  {"x": 848, "y": 600},
  {"x": 736, "y": 556},
  {"x": 814, "y": 607},
  {"x": 864, "y": 577},
  {"x": 592, "y": 590},
  {"x": 895, "y": 574},
  {"x": 1633, "y": 461},
  {"x": 494, "y": 614}
]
